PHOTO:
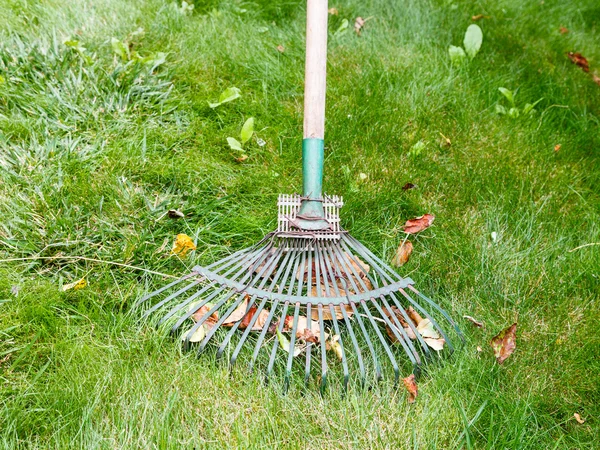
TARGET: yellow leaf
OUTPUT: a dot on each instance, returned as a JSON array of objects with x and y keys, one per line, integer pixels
[
  {"x": 76, "y": 285},
  {"x": 182, "y": 245},
  {"x": 197, "y": 336}
]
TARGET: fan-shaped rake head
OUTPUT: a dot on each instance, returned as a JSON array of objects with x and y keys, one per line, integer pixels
[{"x": 299, "y": 298}]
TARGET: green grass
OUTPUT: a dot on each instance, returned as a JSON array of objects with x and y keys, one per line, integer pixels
[{"x": 94, "y": 150}]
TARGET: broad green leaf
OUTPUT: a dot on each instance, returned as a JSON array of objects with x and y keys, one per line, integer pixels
[
  {"x": 342, "y": 28},
  {"x": 457, "y": 55},
  {"x": 120, "y": 49},
  {"x": 234, "y": 144},
  {"x": 500, "y": 109},
  {"x": 247, "y": 130},
  {"x": 513, "y": 112},
  {"x": 473, "y": 39},
  {"x": 284, "y": 343},
  {"x": 508, "y": 94},
  {"x": 227, "y": 95}
]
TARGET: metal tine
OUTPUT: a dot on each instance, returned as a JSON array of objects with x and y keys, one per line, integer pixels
[
  {"x": 344, "y": 360},
  {"x": 233, "y": 307},
  {"x": 282, "y": 285},
  {"x": 184, "y": 303},
  {"x": 368, "y": 340},
  {"x": 276, "y": 342},
  {"x": 428, "y": 316},
  {"x": 288, "y": 369},
  {"x": 332, "y": 248},
  {"x": 262, "y": 335},
  {"x": 439, "y": 309},
  {"x": 361, "y": 365},
  {"x": 308, "y": 345},
  {"x": 348, "y": 258},
  {"x": 341, "y": 258},
  {"x": 238, "y": 348},
  {"x": 386, "y": 347},
  {"x": 367, "y": 254},
  {"x": 200, "y": 323},
  {"x": 264, "y": 276},
  {"x": 233, "y": 329},
  {"x": 268, "y": 267},
  {"x": 400, "y": 334},
  {"x": 323, "y": 350},
  {"x": 170, "y": 297},
  {"x": 409, "y": 322},
  {"x": 163, "y": 289},
  {"x": 204, "y": 301}
]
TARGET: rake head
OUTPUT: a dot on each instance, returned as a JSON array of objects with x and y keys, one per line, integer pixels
[{"x": 302, "y": 296}]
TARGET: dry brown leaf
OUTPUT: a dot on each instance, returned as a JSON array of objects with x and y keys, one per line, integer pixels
[
  {"x": 280, "y": 48},
  {"x": 563, "y": 30},
  {"x": 242, "y": 158},
  {"x": 479, "y": 17},
  {"x": 408, "y": 186},
  {"x": 421, "y": 223},
  {"x": 314, "y": 313},
  {"x": 182, "y": 245},
  {"x": 407, "y": 329},
  {"x": 333, "y": 11},
  {"x": 358, "y": 24},
  {"x": 200, "y": 313},
  {"x": 411, "y": 386},
  {"x": 479, "y": 349},
  {"x": 580, "y": 60},
  {"x": 557, "y": 148},
  {"x": 578, "y": 418},
  {"x": 596, "y": 79},
  {"x": 237, "y": 314},
  {"x": 504, "y": 343},
  {"x": 402, "y": 254},
  {"x": 474, "y": 321}
]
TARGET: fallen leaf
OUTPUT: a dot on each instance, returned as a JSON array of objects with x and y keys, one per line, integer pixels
[
  {"x": 504, "y": 343},
  {"x": 280, "y": 48},
  {"x": 358, "y": 24},
  {"x": 175, "y": 214},
  {"x": 242, "y": 158},
  {"x": 237, "y": 314},
  {"x": 479, "y": 349},
  {"x": 563, "y": 30},
  {"x": 596, "y": 79},
  {"x": 362, "y": 176},
  {"x": 333, "y": 11},
  {"x": 474, "y": 321},
  {"x": 260, "y": 321},
  {"x": 402, "y": 254},
  {"x": 578, "y": 418},
  {"x": 399, "y": 316},
  {"x": 408, "y": 186},
  {"x": 414, "y": 315},
  {"x": 580, "y": 60},
  {"x": 228, "y": 95},
  {"x": 182, "y": 245},
  {"x": 200, "y": 313},
  {"x": 75, "y": 285},
  {"x": 304, "y": 326},
  {"x": 411, "y": 386},
  {"x": 479, "y": 17},
  {"x": 421, "y": 223},
  {"x": 197, "y": 336}
]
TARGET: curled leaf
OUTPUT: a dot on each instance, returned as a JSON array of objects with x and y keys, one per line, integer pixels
[
  {"x": 402, "y": 254},
  {"x": 421, "y": 223},
  {"x": 579, "y": 60},
  {"x": 411, "y": 386},
  {"x": 504, "y": 343},
  {"x": 474, "y": 321},
  {"x": 408, "y": 186},
  {"x": 182, "y": 245},
  {"x": 578, "y": 418}
]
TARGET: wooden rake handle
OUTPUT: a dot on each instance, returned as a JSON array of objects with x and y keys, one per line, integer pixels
[{"x": 315, "y": 69}]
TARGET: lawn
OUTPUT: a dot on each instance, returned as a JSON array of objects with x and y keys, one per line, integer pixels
[{"x": 105, "y": 125}]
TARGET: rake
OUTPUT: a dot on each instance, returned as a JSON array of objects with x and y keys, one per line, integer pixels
[{"x": 309, "y": 290}]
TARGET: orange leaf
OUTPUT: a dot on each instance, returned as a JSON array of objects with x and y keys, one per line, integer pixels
[
  {"x": 563, "y": 30},
  {"x": 421, "y": 223},
  {"x": 505, "y": 343},
  {"x": 200, "y": 313},
  {"x": 411, "y": 386},
  {"x": 403, "y": 254},
  {"x": 580, "y": 60},
  {"x": 182, "y": 245}
]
